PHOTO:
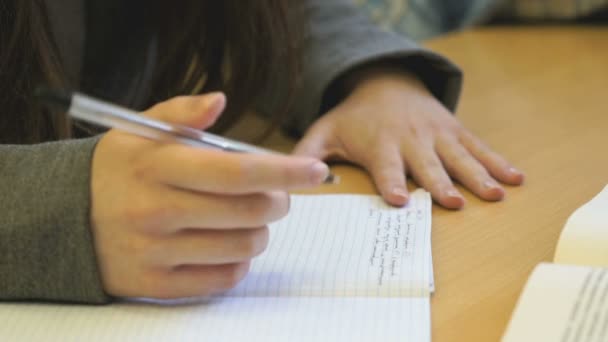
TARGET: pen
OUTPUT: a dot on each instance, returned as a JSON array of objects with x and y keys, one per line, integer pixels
[{"x": 95, "y": 111}]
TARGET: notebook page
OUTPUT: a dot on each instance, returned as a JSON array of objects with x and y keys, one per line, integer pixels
[
  {"x": 585, "y": 236},
  {"x": 329, "y": 245},
  {"x": 562, "y": 303},
  {"x": 345, "y": 245},
  {"x": 264, "y": 319}
]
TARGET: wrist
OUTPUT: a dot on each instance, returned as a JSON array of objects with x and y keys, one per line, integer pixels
[{"x": 377, "y": 73}]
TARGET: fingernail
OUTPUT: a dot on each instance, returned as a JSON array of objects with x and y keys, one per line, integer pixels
[
  {"x": 490, "y": 185},
  {"x": 453, "y": 193},
  {"x": 215, "y": 100},
  {"x": 319, "y": 172},
  {"x": 400, "y": 192},
  {"x": 514, "y": 171}
]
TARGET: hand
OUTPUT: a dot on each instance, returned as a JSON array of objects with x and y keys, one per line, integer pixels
[
  {"x": 173, "y": 221},
  {"x": 391, "y": 125}
]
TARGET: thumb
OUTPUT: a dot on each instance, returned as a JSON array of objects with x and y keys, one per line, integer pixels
[{"x": 199, "y": 111}]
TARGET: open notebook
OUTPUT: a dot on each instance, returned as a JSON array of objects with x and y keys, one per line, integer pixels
[
  {"x": 567, "y": 301},
  {"x": 337, "y": 268}
]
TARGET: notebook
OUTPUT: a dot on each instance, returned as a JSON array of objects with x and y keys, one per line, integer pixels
[
  {"x": 567, "y": 300},
  {"x": 337, "y": 268}
]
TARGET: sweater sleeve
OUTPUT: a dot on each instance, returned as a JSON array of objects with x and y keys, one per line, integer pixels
[
  {"x": 45, "y": 239},
  {"x": 340, "y": 38}
]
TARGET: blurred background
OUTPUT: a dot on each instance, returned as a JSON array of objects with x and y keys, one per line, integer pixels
[{"x": 424, "y": 19}]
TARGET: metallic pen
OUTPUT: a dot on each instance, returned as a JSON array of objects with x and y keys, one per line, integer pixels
[{"x": 86, "y": 108}]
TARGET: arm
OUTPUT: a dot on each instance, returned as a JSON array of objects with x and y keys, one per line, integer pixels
[
  {"x": 45, "y": 241},
  {"x": 125, "y": 216},
  {"x": 387, "y": 105},
  {"x": 340, "y": 40}
]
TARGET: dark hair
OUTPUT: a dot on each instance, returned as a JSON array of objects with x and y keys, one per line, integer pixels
[
  {"x": 28, "y": 57},
  {"x": 239, "y": 47}
]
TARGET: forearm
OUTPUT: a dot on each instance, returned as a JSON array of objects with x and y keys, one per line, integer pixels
[
  {"x": 341, "y": 40},
  {"x": 45, "y": 240}
]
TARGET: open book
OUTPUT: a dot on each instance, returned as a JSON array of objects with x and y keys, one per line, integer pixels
[
  {"x": 568, "y": 300},
  {"x": 337, "y": 268}
]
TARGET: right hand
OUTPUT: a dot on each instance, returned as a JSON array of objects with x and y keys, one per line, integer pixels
[{"x": 171, "y": 221}]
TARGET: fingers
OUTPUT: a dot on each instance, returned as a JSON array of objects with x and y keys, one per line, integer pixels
[
  {"x": 208, "y": 247},
  {"x": 498, "y": 166},
  {"x": 192, "y": 281},
  {"x": 180, "y": 209},
  {"x": 199, "y": 111},
  {"x": 387, "y": 170},
  {"x": 466, "y": 169},
  {"x": 217, "y": 172},
  {"x": 230, "y": 173},
  {"x": 313, "y": 144},
  {"x": 428, "y": 171}
]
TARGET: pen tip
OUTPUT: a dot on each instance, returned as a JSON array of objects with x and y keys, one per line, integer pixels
[{"x": 332, "y": 179}]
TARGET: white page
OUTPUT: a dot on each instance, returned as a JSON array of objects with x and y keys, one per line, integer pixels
[
  {"x": 227, "y": 319},
  {"x": 584, "y": 239},
  {"x": 328, "y": 246},
  {"x": 562, "y": 303},
  {"x": 345, "y": 245}
]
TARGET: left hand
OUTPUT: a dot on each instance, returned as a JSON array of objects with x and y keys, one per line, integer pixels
[{"x": 393, "y": 126}]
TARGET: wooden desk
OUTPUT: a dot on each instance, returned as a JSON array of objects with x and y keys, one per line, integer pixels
[{"x": 539, "y": 96}]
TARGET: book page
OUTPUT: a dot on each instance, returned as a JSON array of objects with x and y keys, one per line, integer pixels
[
  {"x": 265, "y": 319},
  {"x": 584, "y": 240},
  {"x": 345, "y": 245},
  {"x": 562, "y": 303}
]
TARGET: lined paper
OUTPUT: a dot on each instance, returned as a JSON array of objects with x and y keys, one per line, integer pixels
[
  {"x": 345, "y": 245},
  {"x": 337, "y": 268},
  {"x": 226, "y": 319}
]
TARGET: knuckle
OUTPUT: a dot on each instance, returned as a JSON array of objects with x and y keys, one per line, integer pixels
[
  {"x": 189, "y": 103},
  {"x": 240, "y": 174},
  {"x": 158, "y": 285},
  {"x": 431, "y": 164},
  {"x": 148, "y": 213},
  {"x": 474, "y": 144},
  {"x": 139, "y": 247},
  {"x": 490, "y": 156},
  {"x": 459, "y": 156},
  {"x": 143, "y": 168},
  {"x": 415, "y": 132},
  {"x": 135, "y": 212},
  {"x": 266, "y": 207},
  {"x": 253, "y": 243},
  {"x": 232, "y": 274},
  {"x": 286, "y": 175},
  {"x": 263, "y": 237},
  {"x": 466, "y": 137},
  {"x": 162, "y": 110},
  {"x": 392, "y": 164},
  {"x": 245, "y": 172},
  {"x": 390, "y": 173},
  {"x": 279, "y": 202},
  {"x": 386, "y": 176},
  {"x": 155, "y": 110},
  {"x": 251, "y": 208},
  {"x": 454, "y": 125},
  {"x": 482, "y": 149}
]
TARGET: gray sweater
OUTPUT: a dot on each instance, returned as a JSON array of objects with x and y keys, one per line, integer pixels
[{"x": 46, "y": 247}]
